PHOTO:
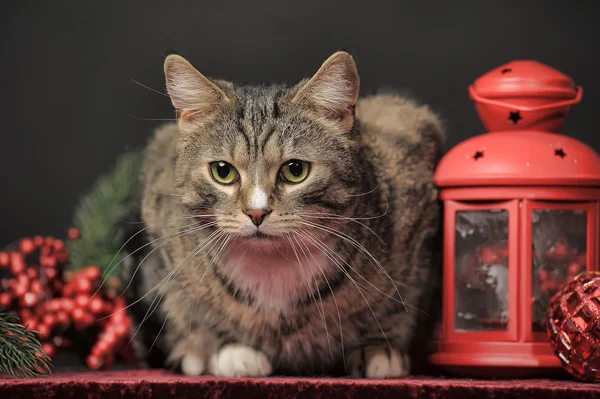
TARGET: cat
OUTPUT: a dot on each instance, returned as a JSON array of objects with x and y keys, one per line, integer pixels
[{"x": 294, "y": 229}]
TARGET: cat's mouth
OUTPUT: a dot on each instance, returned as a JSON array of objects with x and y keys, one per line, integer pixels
[{"x": 260, "y": 236}]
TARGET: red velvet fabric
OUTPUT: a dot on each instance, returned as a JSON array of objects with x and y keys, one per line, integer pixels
[{"x": 162, "y": 384}]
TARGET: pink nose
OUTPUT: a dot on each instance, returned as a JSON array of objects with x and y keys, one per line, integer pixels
[{"x": 257, "y": 215}]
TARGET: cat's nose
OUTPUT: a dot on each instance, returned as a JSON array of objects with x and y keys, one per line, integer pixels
[{"x": 257, "y": 215}]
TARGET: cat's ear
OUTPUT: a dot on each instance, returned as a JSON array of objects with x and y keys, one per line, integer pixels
[
  {"x": 334, "y": 88},
  {"x": 193, "y": 95}
]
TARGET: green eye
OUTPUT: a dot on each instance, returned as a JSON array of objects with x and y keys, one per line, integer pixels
[
  {"x": 295, "y": 171},
  {"x": 223, "y": 172}
]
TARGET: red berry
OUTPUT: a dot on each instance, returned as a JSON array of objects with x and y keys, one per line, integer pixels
[
  {"x": 120, "y": 329},
  {"x": 38, "y": 241},
  {"x": 49, "y": 261},
  {"x": 67, "y": 304},
  {"x": 78, "y": 314},
  {"x": 49, "y": 319},
  {"x": 27, "y": 246},
  {"x": 51, "y": 273},
  {"x": 4, "y": 259},
  {"x": 96, "y": 305},
  {"x": 101, "y": 348},
  {"x": 5, "y": 299},
  {"x": 20, "y": 290},
  {"x": 59, "y": 245},
  {"x": 17, "y": 263},
  {"x": 82, "y": 300},
  {"x": 68, "y": 290},
  {"x": 110, "y": 338},
  {"x": 83, "y": 285},
  {"x": 92, "y": 272},
  {"x": 93, "y": 362},
  {"x": 62, "y": 317},
  {"x": 53, "y": 305},
  {"x": 49, "y": 349},
  {"x": 32, "y": 273},
  {"x": 30, "y": 299},
  {"x": 25, "y": 313},
  {"x": 44, "y": 331},
  {"x": 73, "y": 233},
  {"x": 36, "y": 287},
  {"x": 49, "y": 241},
  {"x": 22, "y": 279}
]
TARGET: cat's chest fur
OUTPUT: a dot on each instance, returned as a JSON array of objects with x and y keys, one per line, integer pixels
[{"x": 277, "y": 280}]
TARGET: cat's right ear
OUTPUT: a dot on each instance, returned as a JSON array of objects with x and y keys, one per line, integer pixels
[{"x": 193, "y": 95}]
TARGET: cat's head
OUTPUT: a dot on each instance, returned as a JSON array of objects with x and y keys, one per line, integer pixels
[{"x": 266, "y": 161}]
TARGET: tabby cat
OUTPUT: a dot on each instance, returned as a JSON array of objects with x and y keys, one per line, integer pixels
[{"x": 293, "y": 229}]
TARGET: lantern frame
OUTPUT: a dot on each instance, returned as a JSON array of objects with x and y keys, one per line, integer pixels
[{"x": 518, "y": 350}]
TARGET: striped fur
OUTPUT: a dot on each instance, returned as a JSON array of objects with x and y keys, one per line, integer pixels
[{"x": 272, "y": 307}]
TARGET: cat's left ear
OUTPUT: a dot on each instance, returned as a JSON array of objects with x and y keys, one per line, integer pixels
[
  {"x": 194, "y": 96},
  {"x": 333, "y": 89}
]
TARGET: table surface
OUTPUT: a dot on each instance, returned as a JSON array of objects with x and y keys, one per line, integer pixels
[{"x": 159, "y": 384}]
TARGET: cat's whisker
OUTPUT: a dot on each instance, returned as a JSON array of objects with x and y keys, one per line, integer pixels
[
  {"x": 349, "y": 219},
  {"x": 327, "y": 251},
  {"x": 301, "y": 245},
  {"x": 162, "y": 281},
  {"x": 177, "y": 235},
  {"x": 333, "y": 216},
  {"x": 150, "y": 88},
  {"x": 363, "y": 250},
  {"x": 213, "y": 259},
  {"x": 368, "y": 192},
  {"x": 111, "y": 267},
  {"x": 322, "y": 310},
  {"x": 151, "y": 119},
  {"x": 312, "y": 294},
  {"x": 169, "y": 278},
  {"x": 217, "y": 242},
  {"x": 367, "y": 281}
]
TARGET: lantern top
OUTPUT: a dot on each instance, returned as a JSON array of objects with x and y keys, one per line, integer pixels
[
  {"x": 519, "y": 158},
  {"x": 523, "y": 78},
  {"x": 523, "y": 103}
]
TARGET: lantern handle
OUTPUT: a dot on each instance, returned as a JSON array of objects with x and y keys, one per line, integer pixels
[{"x": 473, "y": 94}]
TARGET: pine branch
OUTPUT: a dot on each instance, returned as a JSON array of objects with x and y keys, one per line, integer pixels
[
  {"x": 21, "y": 354},
  {"x": 103, "y": 214}
]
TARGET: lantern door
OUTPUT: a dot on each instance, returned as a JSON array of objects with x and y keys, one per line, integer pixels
[
  {"x": 561, "y": 242},
  {"x": 481, "y": 270}
]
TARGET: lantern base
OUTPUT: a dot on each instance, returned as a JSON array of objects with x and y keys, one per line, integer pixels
[{"x": 497, "y": 359}]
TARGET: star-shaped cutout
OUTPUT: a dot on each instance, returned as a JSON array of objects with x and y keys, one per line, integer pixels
[
  {"x": 506, "y": 70},
  {"x": 560, "y": 153},
  {"x": 515, "y": 117},
  {"x": 477, "y": 155}
]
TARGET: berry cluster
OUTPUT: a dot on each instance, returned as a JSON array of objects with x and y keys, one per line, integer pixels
[{"x": 57, "y": 303}]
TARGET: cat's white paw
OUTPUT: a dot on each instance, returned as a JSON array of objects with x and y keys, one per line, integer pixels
[
  {"x": 240, "y": 361},
  {"x": 192, "y": 365},
  {"x": 379, "y": 362},
  {"x": 386, "y": 364}
]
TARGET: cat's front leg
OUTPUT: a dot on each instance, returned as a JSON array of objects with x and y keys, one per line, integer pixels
[{"x": 379, "y": 361}]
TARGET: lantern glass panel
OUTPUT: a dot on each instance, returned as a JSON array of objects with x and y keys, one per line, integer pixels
[
  {"x": 481, "y": 270},
  {"x": 559, "y": 243}
]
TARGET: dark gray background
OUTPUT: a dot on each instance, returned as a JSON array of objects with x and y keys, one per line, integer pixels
[{"x": 69, "y": 106}]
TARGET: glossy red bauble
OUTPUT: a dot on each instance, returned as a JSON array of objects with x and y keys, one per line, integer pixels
[{"x": 573, "y": 322}]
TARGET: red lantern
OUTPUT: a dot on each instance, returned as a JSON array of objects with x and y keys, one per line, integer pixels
[{"x": 521, "y": 208}]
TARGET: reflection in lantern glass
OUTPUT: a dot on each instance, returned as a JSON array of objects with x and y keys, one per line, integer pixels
[
  {"x": 481, "y": 277},
  {"x": 558, "y": 255}
]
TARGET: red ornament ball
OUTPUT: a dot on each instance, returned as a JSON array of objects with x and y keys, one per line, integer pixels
[{"x": 573, "y": 325}]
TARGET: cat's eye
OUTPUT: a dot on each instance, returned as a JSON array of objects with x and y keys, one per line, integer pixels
[
  {"x": 223, "y": 172},
  {"x": 295, "y": 171}
]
